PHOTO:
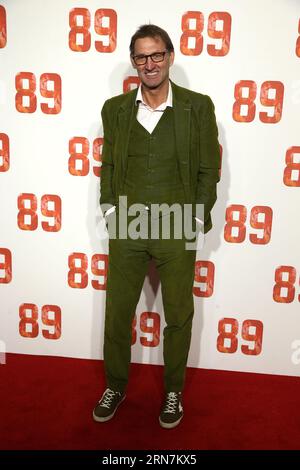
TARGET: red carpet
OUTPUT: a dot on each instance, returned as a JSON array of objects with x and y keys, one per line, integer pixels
[{"x": 47, "y": 402}]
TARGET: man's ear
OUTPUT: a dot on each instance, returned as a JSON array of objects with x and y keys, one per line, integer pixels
[
  {"x": 132, "y": 62},
  {"x": 172, "y": 56}
]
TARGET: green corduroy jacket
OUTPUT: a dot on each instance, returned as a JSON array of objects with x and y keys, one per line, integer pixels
[{"x": 198, "y": 149}]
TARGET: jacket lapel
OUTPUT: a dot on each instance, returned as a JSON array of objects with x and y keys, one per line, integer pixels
[
  {"x": 126, "y": 115},
  {"x": 182, "y": 116}
]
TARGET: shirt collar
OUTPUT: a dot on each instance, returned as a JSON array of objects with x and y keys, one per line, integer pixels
[{"x": 162, "y": 106}]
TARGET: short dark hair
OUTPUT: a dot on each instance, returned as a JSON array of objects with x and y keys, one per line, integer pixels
[{"x": 151, "y": 31}]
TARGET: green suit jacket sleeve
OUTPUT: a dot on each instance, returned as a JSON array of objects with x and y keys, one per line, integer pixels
[
  {"x": 209, "y": 159},
  {"x": 107, "y": 198}
]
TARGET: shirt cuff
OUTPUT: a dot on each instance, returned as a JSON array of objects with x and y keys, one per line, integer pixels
[
  {"x": 200, "y": 221},
  {"x": 109, "y": 211}
]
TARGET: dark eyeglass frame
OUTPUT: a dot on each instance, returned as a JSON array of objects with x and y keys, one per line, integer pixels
[{"x": 144, "y": 58}]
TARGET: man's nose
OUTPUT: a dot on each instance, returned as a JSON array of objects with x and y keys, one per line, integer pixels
[{"x": 149, "y": 64}]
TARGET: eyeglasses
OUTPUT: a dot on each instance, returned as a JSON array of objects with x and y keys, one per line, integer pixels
[{"x": 155, "y": 57}]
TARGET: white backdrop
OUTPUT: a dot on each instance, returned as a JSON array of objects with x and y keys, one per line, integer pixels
[{"x": 59, "y": 62}]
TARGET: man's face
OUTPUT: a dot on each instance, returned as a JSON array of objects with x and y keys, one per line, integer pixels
[{"x": 152, "y": 74}]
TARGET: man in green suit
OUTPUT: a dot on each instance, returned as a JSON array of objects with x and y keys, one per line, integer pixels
[{"x": 160, "y": 147}]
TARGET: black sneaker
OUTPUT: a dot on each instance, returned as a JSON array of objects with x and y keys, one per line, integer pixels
[
  {"x": 172, "y": 410},
  {"x": 107, "y": 405}
]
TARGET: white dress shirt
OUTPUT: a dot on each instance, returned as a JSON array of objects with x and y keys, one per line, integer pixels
[{"x": 148, "y": 116}]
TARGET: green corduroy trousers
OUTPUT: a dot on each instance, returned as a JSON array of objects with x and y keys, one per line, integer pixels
[{"x": 127, "y": 267}]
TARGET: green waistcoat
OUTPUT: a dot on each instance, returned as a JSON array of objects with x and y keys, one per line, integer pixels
[{"x": 152, "y": 174}]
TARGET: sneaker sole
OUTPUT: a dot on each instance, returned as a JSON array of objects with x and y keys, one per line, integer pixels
[
  {"x": 107, "y": 418},
  {"x": 169, "y": 425}
]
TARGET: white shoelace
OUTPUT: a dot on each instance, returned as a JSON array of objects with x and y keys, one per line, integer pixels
[
  {"x": 107, "y": 398},
  {"x": 171, "y": 403}
]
